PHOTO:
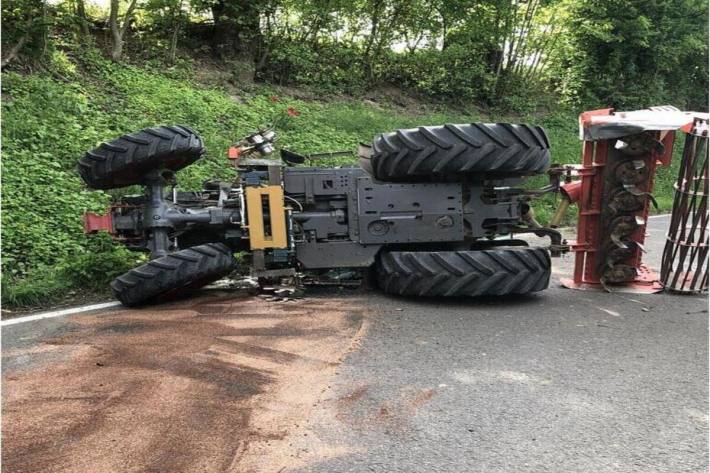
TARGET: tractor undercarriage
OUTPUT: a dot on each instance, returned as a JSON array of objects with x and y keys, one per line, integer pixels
[{"x": 427, "y": 210}]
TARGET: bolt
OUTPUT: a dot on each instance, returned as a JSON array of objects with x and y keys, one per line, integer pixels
[{"x": 444, "y": 221}]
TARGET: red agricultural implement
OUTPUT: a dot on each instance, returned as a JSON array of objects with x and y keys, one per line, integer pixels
[{"x": 621, "y": 153}]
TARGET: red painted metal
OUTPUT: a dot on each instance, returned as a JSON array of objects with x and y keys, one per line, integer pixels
[
  {"x": 588, "y": 193},
  {"x": 668, "y": 139},
  {"x": 233, "y": 152},
  {"x": 572, "y": 191},
  {"x": 646, "y": 283},
  {"x": 94, "y": 222}
]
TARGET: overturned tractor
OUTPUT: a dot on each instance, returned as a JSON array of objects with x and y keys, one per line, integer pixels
[{"x": 431, "y": 211}]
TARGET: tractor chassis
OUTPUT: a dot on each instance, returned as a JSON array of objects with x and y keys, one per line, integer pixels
[{"x": 333, "y": 218}]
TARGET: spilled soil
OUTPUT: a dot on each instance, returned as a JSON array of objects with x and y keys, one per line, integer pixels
[
  {"x": 361, "y": 409},
  {"x": 212, "y": 384}
]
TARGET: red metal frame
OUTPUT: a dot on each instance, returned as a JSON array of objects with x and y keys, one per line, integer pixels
[
  {"x": 589, "y": 231},
  {"x": 94, "y": 222}
]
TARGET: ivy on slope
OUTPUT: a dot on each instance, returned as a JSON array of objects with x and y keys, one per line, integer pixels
[{"x": 45, "y": 126}]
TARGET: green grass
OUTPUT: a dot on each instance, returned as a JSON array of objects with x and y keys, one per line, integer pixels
[
  {"x": 87, "y": 271},
  {"x": 51, "y": 118}
]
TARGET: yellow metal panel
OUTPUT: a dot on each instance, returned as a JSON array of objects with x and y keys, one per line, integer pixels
[{"x": 258, "y": 240}]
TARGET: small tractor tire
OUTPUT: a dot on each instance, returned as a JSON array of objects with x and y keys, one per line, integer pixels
[
  {"x": 173, "y": 275},
  {"x": 496, "y": 272},
  {"x": 448, "y": 152},
  {"x": 125, "y": 160}
]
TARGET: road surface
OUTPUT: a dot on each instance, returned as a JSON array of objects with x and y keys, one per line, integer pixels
[{"x": 356, "y": 381}]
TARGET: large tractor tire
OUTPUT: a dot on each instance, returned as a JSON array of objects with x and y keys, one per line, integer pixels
[
  {"x": 126, "y": 160},
  {"x": 173, "y": 275},
  {"x": 496, "y": 272},
  {"x": 432, "y": 153}
]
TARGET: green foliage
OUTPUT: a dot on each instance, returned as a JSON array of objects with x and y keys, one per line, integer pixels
[
  {"x": 26, "y": 21},
  {"x": 512, "y": 55},
  {"x": 330, "y": 68},
  {"x": 37, "y": 288},
  {"x": 45, "y": 126},
  {"x": 455, "y": 73},
  {"x": 634, "y": 54},
  {"x": 100, "y": 261},
  {"x": 89, "y": 270}
]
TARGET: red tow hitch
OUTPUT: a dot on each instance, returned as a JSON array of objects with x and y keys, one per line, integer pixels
[{"x": 94, "y": 222}]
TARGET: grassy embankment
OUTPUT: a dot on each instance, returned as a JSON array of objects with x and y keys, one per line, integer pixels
[{"x": 51, "y": 118}]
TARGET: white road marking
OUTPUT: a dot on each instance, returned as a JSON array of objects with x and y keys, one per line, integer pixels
[
  {"x": 59, "y": 313},
  {"x": 659, "y": 216}
]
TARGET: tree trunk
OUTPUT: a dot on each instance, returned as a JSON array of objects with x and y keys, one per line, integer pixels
[
  {"x": 510, "y": 34},
  {"x": 412, "y": 48},
  {"x": 384, "y": 40},
  {"x": 549, "y": 45},
  {"x": 374, "y": 32},
  {"x": 445, "y": 33},
  {"x": 44, "y": 38},
  {"x": 177, "y": 16},
  {"x": 503, "y": 40},
  {"x": 15, "y": 50},
  {"x": 236, "y": 27},
  {"x": 116, "y": 39},
  {"x": 373, "y": 28},
  {"x": 83, "y": 19},
  {"x": 29, "y": 29},
  {"x": 220, "y": 35},
  {"x": 118, "y": 32},
  {"x": 495, "y": 53},
  {"x": 541, "y": 49},
  {"x": 518, "y": 61},
  {"x": 173, "y": 45}
]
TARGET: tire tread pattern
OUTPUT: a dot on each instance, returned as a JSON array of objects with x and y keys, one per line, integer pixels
[
  {"x": 125, "y": 160},
  {"x": 500, "y": 271},
  {"x": 430, "y": 152},
  {"x": 186, "y": 270}
]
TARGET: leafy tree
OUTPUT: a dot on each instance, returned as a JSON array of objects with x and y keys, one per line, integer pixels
[
  {"x": 26, "y": 26},
  {"x": 636, "y": 53},
  {"x": 585, "y": 52}
]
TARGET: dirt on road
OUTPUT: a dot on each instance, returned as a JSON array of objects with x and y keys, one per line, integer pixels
[{"x": 211, "y": 384}]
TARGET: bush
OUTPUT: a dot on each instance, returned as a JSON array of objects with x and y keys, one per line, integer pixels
[
  {"x": 456, "y": 73},
  {"x": 88, "y": 270},
  {"x": 46, "y": 126},
  {"x": 330, "y": 68}
]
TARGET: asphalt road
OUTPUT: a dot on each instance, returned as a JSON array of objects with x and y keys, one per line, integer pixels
[{"x": 560, "y": 381}]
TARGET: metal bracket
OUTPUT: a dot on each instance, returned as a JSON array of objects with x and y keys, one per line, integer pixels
[
  {"x": 558, "y": 246},
  {"x": 259, "y": 239}
]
